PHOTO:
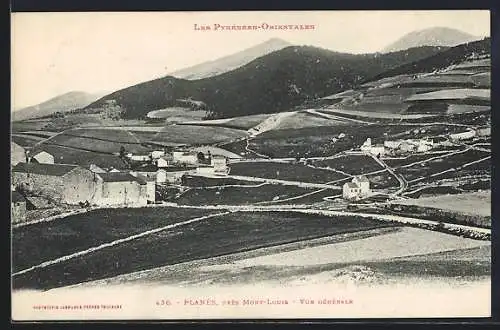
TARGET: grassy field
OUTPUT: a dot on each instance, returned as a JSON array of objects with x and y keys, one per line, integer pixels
[
  {"x": 217, "y": 236},
  {"x": 34, "y": 244},
  {"x": 475, "y": 203},
  {"x": 99, "y": 140},
  {"x": 197, "y": 135},
  {"x": 397, "y": 162},
  {"x": 26, "y": 141},
  {"x": 239, "y": 195},
  {"x": 317, "y": 141},
  {"x": 200, "y": 181},
  {"x": 284, "y": 171},
  {"x": 383, "y": 180},
  {"x": 304, "y": 120},
  {"x": 242, "y": 123},
  {"x": 433, "y": 191},
  {"x": 64, "y": 155},
  {"x": 237, "y": 147},
  {"x": 315, "y": 196},
  {"x": 464, "y": 108},
  {"x": 351, "y": 164},
  {"x": 438, "y": 165},
  {"x": 29, "y": 125}
]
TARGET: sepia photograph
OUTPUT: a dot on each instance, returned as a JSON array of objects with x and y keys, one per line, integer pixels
[{"x": 250, "y": 165}]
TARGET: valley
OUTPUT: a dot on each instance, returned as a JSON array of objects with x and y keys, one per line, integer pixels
[{"x": 297, "y": 132}]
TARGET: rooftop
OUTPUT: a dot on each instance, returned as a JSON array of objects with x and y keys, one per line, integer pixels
[
  {"x": 41, "y": 152},
  {"x": 44, "y": 169},
  {"x": 362, "y": 178},
  {"x": 177, "y": 168},
  {"x": 351, "y": 185},
  {"x": 120, "y": 177}
]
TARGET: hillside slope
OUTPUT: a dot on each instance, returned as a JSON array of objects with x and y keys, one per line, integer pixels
[
  {"x": 62, "y": 103},
  {"x": 441, "y": 60},
  {"x": 230, "y": 62},
  {"x": 455, "y": 81},
  {"x": 436, "y": 36},
  {"x": 272, "y": 83}
]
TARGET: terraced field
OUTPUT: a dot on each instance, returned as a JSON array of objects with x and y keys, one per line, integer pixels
[
  {"x": 66, "y": 155},
  {"x": 197, "y": 135},
  {"x": 284, "y": 171},
  {"x": 40, "y": 242},
  {"x": 26, "y": 141},
  {"x": 98, "y": 140},
  {"x": 226, "y": 234},
  {"x": 228, "y": 195},
  {"x": 351, "y": 164}
]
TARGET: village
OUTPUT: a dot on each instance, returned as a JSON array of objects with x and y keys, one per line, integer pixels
[{"x": 39, "y": 183}]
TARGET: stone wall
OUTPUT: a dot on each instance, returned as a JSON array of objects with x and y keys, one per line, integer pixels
[
  {"x": 50, "y": 187},
  {"x": 80, "y": 185},
  {"x": 121, "y": 193}
]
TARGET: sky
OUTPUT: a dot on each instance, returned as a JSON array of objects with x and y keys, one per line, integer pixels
[{"x": 55, "y": 53}]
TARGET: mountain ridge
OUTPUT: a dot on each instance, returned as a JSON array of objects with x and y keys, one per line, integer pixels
[
  {"x": 61, "y": 103},
  {"x": 230, "y": 62},
  {"x": 271, "y": 83}
]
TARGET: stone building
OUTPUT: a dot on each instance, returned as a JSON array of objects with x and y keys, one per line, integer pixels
[
  {"x": 358, "y": 188},
  {"x": 68, "y": 184},
  {"x": 17, "y": 207},
  {"x": 150, "y": 179},
  {"x": 120, "y": 188}
]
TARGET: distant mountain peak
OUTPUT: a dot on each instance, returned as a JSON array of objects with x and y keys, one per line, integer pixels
[
  {"x": 61, "y": 103},
  {"x": 433, "y": 36}
]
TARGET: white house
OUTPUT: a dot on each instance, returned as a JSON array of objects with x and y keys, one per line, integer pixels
[
  {"x": 174, "y": 175},
  {"x": 359, "y": 187},
  {"x": 150, "y": 179},
  {"x": 184, "y": 157},
  {"x": 42, "y": 157},
  {"x": 165, "y": 161},
  {"x": 205, "y": 170},
  {"x": 350, "y": 191},
  {"x": 157, "y": 154},
  {"x": 220, "y": 165},
  {"x": 140, "y": 158},
  {"x": 367, "y": 145},
  {"x": 392, "y": 144},
  {"x": 363, "y": 182},
  {"x": 377, "y": 149},
  {"x": 424, "y": 145},
  {"x": 406, "y": 146},
  {"x": 121, "y": 189},
  {"x": 484, "y": 131},
  {"x": 463, "y": 136},
  {"x": 161, "y": 176}
]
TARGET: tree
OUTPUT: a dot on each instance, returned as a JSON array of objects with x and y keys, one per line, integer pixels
[
  {"x": 201, "y": 157},
  {"x": 122, "y": 152}
]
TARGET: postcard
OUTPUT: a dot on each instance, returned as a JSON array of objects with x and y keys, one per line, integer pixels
[{"x": 250, "y": 165}]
